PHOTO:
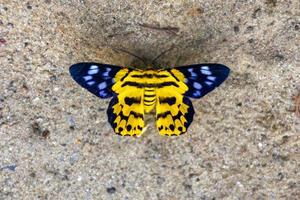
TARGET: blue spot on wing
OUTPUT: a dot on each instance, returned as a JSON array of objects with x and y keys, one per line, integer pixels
[
  {"x": 96, "y": 78},
  {"x": 203, "y": 78}
]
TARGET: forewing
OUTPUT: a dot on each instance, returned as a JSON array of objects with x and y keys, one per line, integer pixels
[
  {"x": 96, "y": 78},
  {"x": 202, "y": 78}
]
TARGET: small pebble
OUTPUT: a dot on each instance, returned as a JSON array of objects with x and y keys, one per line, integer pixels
[{"x": 111, "y": 190}]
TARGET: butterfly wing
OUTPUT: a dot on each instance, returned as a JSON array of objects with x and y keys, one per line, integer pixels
[
  {"x": 126, "y": 110},
  {"x": 126, "y": 120},
  {"x": 202, "y": 78},
  {"x": 174, "y": 112},
  {"x": 96, "y": 78}
]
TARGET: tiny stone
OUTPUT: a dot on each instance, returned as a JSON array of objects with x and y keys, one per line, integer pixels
[
  {"x": 236, "y": 29},
  {"x": 111, "y": 190},
  {"x": 239, "y": 184},
  {"x": 74, "y": 158},
  {"x": 29, "y": 6}
]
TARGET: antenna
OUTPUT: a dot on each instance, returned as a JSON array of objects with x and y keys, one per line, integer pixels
[
  {"x": 161, "y": 54},
  {"x": 132, "y": 54},
  {"x": 142, "y": 59}
]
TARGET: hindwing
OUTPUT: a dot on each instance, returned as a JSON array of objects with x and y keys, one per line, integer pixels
[
  {"x": 126, "y": 114},
  {"x": 126, "y": 109},
  {"x": 174, "y": 112}
]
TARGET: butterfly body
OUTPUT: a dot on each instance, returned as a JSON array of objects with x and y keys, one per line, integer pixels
[{"x": 136, "y": 92}]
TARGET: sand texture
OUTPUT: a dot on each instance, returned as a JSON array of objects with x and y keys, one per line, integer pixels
[{"x": 56, "y": 143}]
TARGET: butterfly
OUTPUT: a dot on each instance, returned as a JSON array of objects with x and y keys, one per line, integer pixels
[{"x": 135, "y": 92}]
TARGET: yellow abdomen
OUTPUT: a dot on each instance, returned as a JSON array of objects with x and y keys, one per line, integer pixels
[{"x": 149, "y": 98}]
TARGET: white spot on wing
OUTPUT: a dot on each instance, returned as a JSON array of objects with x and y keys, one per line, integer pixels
[
  {"x": 93, "y": 71},
  {"x": 212, "y": 78},
  {"x": 108, "y": 69},
  {"x": 94, "y": 67},
  {"x": 208, "y": 83},
  {"x": 91, "y": 83},
  {"x": 205, "y": 72},
  {"x": 186, "y": 80},
  {"x": 102, "y": 85},
  {"x": 87, "y": 78},
  {"x": 193, "y": 74},
  {"x": 102, "y": 93},
  {"x": 197, "y": 85},
  {"x": 191, "y": 70},
  {"x": 205, "y": 67},
  {"x": 105, "y": 73},
  {"x": 197, "y": 94}
]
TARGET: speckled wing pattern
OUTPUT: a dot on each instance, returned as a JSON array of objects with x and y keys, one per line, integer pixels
[
  {"x": 203, "y": 78},
  {"x": 96, "y": 78},
  {"x": 126, "y": 110},
  {"x": 136, "y": 92}
]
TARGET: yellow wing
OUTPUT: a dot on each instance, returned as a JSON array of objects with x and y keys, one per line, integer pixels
[
  {"x": 126, "y": 110},
  {"x": 174, "y": 112}
]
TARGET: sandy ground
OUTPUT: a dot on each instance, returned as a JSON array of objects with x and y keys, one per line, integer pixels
[{"x": 56, "y": 143}]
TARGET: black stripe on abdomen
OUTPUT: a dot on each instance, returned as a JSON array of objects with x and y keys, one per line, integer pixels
[
  {"x": 149, "y": 96},
  {"x": 149, "y": 100}
]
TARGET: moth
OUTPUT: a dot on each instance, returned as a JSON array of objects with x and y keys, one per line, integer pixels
[{"x": 135, "y": 92}]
